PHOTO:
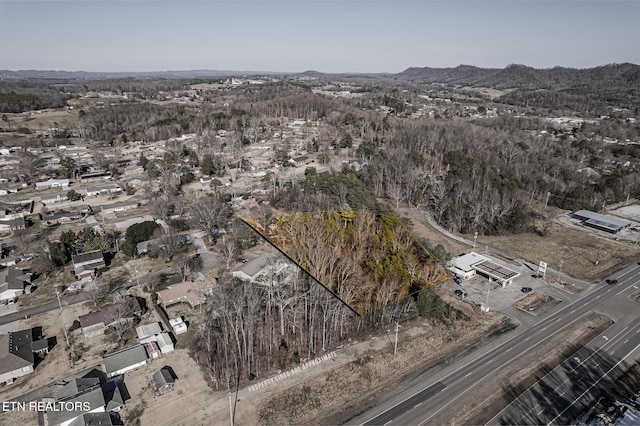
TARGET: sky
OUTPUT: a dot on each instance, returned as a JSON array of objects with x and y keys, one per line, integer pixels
[{"x": 321, "y": 35}]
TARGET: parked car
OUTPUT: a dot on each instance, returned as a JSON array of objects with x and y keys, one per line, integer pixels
[
  {"x": 612, "y": 282},
  {"x": 526, "y": 289}
]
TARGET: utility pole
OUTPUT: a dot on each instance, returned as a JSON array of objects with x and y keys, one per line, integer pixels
[
  {"x": 560, "y": 270},
  {"x": 395, "y": 346},
  {"x": 58, "y": 296},
  {"x": 488, "y": 291}
]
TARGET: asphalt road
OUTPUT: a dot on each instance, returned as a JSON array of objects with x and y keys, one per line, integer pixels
[
  {"x": 438, "y": 395},
  {"x": 45, "y": 307}
]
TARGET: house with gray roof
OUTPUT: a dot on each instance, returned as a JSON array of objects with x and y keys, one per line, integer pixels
[
  {"x": 86, "y": 264},
  {"x": 13, "y": 282},
  {"x": 124, "y": 310},
  {"x": 164, "y": 380},
  {"x": 95, "y": 398},
  {"x": 16, "y": 355},
  {"x": 125, "y": 360}
]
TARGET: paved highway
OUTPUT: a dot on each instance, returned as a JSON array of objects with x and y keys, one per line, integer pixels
[{"x": 430, "y": 401}]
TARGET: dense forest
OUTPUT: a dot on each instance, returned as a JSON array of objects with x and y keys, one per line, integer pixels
[
  {"x": 368, "y": 261},
  {"x": 252, "y": 328}
]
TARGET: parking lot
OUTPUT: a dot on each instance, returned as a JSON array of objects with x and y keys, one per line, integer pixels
[{"x": 502, "y": 299}]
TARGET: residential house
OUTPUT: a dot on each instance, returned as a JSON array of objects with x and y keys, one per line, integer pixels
[
  {"x": 93, "y": 177},
  {"x": 120, "y": 207},
  {"x": 16, "y": 355},
  {"x": 124, "y": 310},
  {"x": 193, "y": 293},
  {"x": 12, "y": 224},
  {"x": 300, "y": 161},
  {"x": 53, "y": 197},
  {"x": 86, "y": 264},
  {"x": 255, "y": 270},
  {"x": 98, "y": 399},
  {"x": 125, "y": 360},
  {"x": 60, "y": 217},
  {"x": 164, "y": 380},
  {"x": 12, "y": 284},
  {"x": 9, "y": 261},
  {"x": 6, "y": 190},
  {"x": 53, "y": 183},
  {"x": 108, "y": 189}
]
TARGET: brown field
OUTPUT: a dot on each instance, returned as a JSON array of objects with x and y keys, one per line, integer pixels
[
  {"x": 55, "y": 118},
  {"x": 585, "y": 255}
]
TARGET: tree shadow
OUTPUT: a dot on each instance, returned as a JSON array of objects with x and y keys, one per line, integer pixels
[{"x": 563, "y": 394}]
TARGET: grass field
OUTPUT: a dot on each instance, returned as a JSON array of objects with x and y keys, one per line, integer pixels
[
  {"x": 584, "y": 254},
  {"x": 60, "y": 118}
]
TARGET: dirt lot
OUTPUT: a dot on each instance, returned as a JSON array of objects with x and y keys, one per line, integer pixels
[
  {"x": 585, "y": 255},
  {"x": 57, "y": 363},
  {"x": 536, "y": 303}
]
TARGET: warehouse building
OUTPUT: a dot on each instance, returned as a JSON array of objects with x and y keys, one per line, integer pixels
[{"x": 600, "y": 222}]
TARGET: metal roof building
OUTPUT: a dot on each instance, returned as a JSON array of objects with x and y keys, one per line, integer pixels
[
  {"x": 601, "y": 222},
  {"x": 467, "y": 265}
]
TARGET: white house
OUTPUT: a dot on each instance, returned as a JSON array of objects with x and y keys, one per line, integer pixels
[
  {"x": 53, "y": 197},
  {"x": 53, "y": 183},
  {"x": 94, "y": 191}
]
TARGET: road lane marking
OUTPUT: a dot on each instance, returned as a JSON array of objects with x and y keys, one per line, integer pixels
[
  {"x": 419, "y": 403},
  {"x": 544, "y": 328},
  {"x": 626, "y": 341},
  {"x": 388, "y": 422},
  {"x": 496, "y": 349},
  {"x": 468, "y": 374},
  {"x": 594, "y": 384},
  {"x": 611, "y": 353},
  {"x": 563, "y": 392},
  {"x": 509, "y": 350},
  {"x": 540, "y": 412}
]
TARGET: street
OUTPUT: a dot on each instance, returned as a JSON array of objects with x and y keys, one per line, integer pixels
[{"x": 439, "y": 392}]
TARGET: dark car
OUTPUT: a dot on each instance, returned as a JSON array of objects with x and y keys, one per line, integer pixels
[
  {"x": 526, "y": 289},
  {"x": 612, "y": 282}
]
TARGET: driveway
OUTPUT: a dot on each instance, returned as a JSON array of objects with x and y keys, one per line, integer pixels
[{"x": 209, "y": 260}]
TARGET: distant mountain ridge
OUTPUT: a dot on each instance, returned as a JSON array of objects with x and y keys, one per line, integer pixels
[
  {"x": 95, "y": 75},
  {"x": 612, "y": 76},
  {"x": 524, "y": 77}
]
